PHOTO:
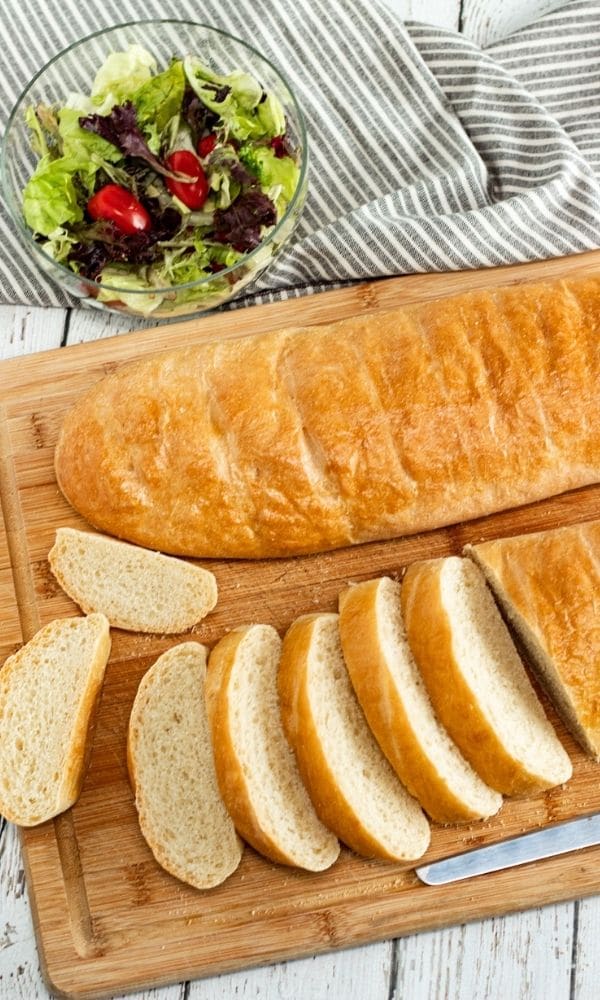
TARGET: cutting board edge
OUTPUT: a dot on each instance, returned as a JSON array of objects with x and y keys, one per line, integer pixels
[{"x": 537, "y": 884}]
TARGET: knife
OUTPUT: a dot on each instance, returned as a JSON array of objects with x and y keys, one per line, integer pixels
[{"x": 546, "y": 843}]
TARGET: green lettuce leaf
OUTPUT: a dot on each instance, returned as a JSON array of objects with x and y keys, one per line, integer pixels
[
  {"x": 128, "y": 281},
  {"x": 38, "y": 139},
  {"x": 50, "y": 196},
  {"x": 245, "y": 89},
  {"x": 223, "y": 184},
  {"x": 81, "y": 146},
  {"x": 148, "y": 280},
  {"x": 158, "y": 102},
  {"x": 121, "y": 74},
  {"x": 227, "y": 256},
  {"x": 272, "y": 171},
  {"x": 272, "y": 116},
  {"x": 235, "y": 98},
  {"x": 180, "y": 266},
  {"x": 59, "y": 244},
  {"x": 243, "y": 125}
]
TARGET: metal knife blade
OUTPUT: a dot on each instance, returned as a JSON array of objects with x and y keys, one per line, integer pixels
[{"x": 538, "y": 844}]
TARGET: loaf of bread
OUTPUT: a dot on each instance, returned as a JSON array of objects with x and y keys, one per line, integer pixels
[
  {"x": 48, "y": 695},
  {"x": 137, "y": 590},
  {"x": 257, "y": 771},
  {"x": 172, "y": 770},
  {"x": 475, "y": 679},
  {"x": 394, "y": 699},
  {"x": 352, "y": 786},
  {"x": 381, "y": 425},
  {"x": 548, "y": 585}
]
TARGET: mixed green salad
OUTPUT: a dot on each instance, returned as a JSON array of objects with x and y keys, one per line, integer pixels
[{"x": 159, "y": 179}]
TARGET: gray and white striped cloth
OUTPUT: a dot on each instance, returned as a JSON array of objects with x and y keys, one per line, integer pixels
[{"x": 427, "y": 153}]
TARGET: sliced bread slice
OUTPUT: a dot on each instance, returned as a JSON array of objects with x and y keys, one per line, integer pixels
[
  {"x": 172, "y": 770},
  {"x": 137, "y": 589},
  {"x": 394, "y": 699},
  {"x": 548, "y": 584},
  {"x": 353, "y": 788},
  {"x": 257, "y": 771},
  {"x": 475, "y": 679},
  {"x": 48, "y": 694}
]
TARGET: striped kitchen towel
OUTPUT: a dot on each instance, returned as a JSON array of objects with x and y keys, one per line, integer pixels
[{"x": 427, "y": 153}]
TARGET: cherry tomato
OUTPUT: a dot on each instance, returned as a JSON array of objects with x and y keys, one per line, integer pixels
[
  {"x": 194, "y": 192},
  {"x": 207, "y": 144},
  {"x": 121, "y": 207}
]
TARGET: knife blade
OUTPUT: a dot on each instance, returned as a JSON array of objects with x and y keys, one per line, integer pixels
[{"x": 534, "y": 846}]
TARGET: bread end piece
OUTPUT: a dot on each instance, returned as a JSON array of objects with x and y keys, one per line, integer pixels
[{"x": 49, "y": 691}]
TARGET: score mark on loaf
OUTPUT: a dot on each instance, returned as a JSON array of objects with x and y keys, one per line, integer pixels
[{"x": 310, "y": 439}]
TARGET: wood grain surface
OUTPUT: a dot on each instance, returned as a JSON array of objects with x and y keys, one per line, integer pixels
[{"x": 129, "y": 923}]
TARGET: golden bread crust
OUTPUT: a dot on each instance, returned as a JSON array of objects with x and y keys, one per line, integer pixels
[
  {"x": 329, "y": 801},
  {"x": 303, "y": 440},
  {"x": 230, "y": 773},
  {"x": 429, "y": 633},
  {"x": 386, "y": 711}
]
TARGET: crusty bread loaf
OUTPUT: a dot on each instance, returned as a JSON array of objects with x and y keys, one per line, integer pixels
[
  {"x": 394, "y": 699},
  {"x": 353, "y": 788},
  {"x": 548, "y": 585},
  {"x": 257, "y": 772},
  {"x": 475, "y": 679},
  {"x": 303, "y": 440},
  {"x": 48, "y": 695},
  {"x": 171, "y": 765},
  {"x": 136, "y": 589}
]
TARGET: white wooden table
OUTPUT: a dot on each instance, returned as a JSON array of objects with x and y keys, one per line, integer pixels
[{"x": 545, "y": 954}]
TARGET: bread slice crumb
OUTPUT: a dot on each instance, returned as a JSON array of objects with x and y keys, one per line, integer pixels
[
  {"x": 171, "y": 765},
  {"x": 137, "y": 589},
  {"x": 352, "y": 786},
  {"x": 257, "y": 771},
  {"x": 48, "y": 695}
]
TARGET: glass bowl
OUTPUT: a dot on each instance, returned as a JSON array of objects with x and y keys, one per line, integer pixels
[{"x": 74, "y": 69}]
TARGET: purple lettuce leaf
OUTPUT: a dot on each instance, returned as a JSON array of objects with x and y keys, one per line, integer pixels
[
  {"x": 199, "y": 118},
  {"x": 240, "y": 223},
  {"x": 120, "y": 128}
]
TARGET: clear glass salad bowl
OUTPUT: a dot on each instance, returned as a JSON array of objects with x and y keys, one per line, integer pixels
[{"x": 74, "y": 70}]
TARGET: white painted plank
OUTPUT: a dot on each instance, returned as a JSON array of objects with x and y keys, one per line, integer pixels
[
  {"x": 357, "y": 974},
  {"x": 20, "y": 977},
  {"x": 485, "y": 22},
  {"x": 24, "y": 329},
  {"x": 523, "y": 955},
  {"x": 586, "y": 978}
]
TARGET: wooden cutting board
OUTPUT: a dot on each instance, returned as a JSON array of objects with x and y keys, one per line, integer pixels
[{"x": 107, "y": 918}]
